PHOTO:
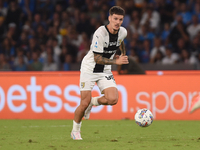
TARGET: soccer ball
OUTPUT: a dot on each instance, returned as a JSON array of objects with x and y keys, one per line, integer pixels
[{"x": 144, "y": 117}]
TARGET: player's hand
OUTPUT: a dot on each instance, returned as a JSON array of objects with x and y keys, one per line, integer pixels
[
  {"x": 117, "y": 56},
  {"x": 123, "y": 59}
]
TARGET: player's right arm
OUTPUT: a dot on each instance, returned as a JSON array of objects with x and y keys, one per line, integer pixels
[{"x": 99, "y": 59}]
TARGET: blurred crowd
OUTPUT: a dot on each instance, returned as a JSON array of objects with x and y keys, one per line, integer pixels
[{"x": 49, "y": 35}]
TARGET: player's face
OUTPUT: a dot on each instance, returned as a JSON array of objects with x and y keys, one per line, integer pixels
[{"x": 116, "y": 21}]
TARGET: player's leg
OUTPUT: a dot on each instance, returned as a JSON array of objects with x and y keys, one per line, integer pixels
[
  {"x": 110, "y": 96},
  {"x": 107, "y": 86},
  {"x": 85, "y": 101},
  {"x": 78, "y": 115}
]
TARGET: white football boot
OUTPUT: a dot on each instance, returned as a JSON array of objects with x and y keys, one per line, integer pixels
[
  {"x": 76, "y": 135},
  {"x": 88, "y": 110}
]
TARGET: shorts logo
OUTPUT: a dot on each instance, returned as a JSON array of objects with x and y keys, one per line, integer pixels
[
  {"x": 82, "y": 85},
  {"x": 110, "y": 77}
]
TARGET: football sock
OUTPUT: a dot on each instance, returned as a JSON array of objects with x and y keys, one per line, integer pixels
[
  {"x": 95, "y": 101},
  {"x": 76, "y": 126}
]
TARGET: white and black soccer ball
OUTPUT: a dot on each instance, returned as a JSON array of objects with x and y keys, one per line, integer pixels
[{"x": 144, "y": 117}]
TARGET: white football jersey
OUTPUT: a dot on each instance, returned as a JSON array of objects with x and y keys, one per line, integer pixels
[{"x": 104, "y": 43}]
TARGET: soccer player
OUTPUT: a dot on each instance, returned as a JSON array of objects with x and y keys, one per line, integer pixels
[{"x": 96, "y": 68}]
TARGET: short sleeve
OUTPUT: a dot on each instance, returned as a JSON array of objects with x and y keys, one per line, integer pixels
[
  {"x": 97, "y": 43},
  {"x": 124, "y": 33}
]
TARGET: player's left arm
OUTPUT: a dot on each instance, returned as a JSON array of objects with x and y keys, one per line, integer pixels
[{"x": 122, "y": 48}]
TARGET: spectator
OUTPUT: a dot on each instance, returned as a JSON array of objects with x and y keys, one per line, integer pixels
[
  {"x": 7, "y": 49},
  {"x": 92, "y": 10},
  {"x": 27, "y": 28},
  {"x": 157, "y": 59},
  {"x": 133, "y": 55},
  {"x": 72, "y": 50},
  {"x": 185, "y": 14},
  {"x": 14, "y": 14},
  {"x": 12, "y": 33},
  {"x": 83, "y": 25},
  {"x": 165, "y": 33},
  {"x": 40, "y": 34},
  {"x": 195, "y": 46},
  {"x": 56, "y": 20},
  {"x": 48, "y": 51},
  {"x": 103, "y": 18},
  {"x": 45, "y": 8},
  {"x": 166, "y": 10},
  {"x": 196, "y": 11},
  {"x": 83, "y": 48},
  {"x": 3, "y": 10},
  {"x": 35, "y": 65},
  {"x": 56, "y": 47},
  {"x": 50, "y": 65},
  {"x": 83, "y": 45},
  {"x": 4, "y": 66},
  {"x": 23, "y": 42},
  {"x": 144, "y": 53},
  {"x": 28, "y": 6},
  {"x": 127, "y": 6},
  {"x": 63, "y": 53},
  {"x": 170, "y": 58},
  {"x": 75, "y": 38},
  {"x": 146, "y": 34},
  {"x": 20, "y": 55},
  {"x": 37, "y": 22},
  {"x": 180, "y": 46},
  {"x": 186, "y": 58},
  {"x": 59, "y": 9},
  {"x": 157, "y": 47},
  {"x": 178, "y": 31},
  {"x": 32, "y": 44},
  {"x": 68, "y": 61},
  {"x": 193, "y": 28},
  {"x": 135, "y": 27},
  {"x": 20, "y": 66},
  {"x": 151, "y": 17}
]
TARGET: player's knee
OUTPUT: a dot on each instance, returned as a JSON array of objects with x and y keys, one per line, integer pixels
[
  {"x": 84, "y": 105},
  {"x": 113, "y": 100}
]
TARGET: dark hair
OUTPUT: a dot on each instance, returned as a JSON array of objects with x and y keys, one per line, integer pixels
[{"x": 116, "y": 10}]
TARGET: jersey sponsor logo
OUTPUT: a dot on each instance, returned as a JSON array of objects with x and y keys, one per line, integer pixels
[
  {"x": 110, "y": 52},
  {"x": 95, "y": 45},
  {"x": 112, "y": 43},
  {"x": 82, "y": 85}
]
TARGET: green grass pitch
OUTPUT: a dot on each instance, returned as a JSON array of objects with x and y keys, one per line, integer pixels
[{"x": 99, "y": 135}]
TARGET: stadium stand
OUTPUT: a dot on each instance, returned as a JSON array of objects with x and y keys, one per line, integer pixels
[{"x": 51, "y": 35}]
